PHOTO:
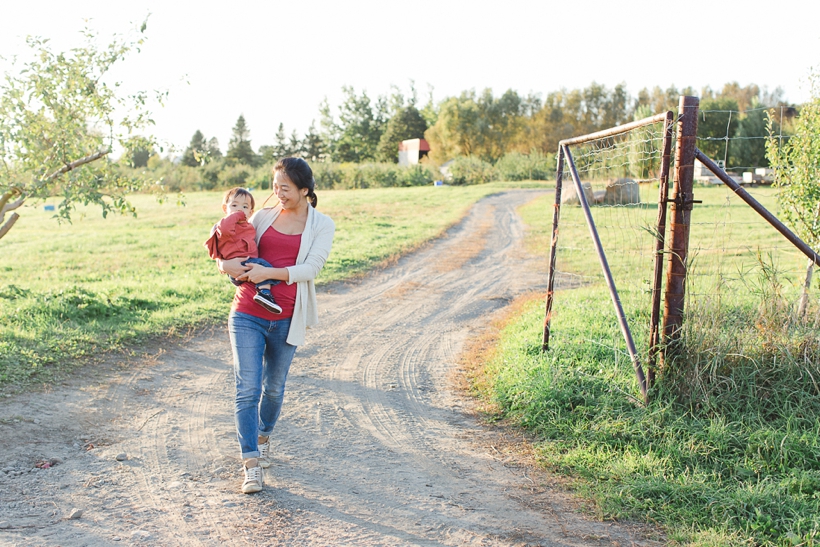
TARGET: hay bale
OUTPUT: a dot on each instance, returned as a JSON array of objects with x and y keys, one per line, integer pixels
[
  {"x": 570, "y": 197},
  {"x": 622, "y": 192}
]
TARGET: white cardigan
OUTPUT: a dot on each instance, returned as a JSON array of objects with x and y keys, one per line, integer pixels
[{"x": 313, "y": 252}]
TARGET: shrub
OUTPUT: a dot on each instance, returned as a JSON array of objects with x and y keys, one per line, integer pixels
[
  {"x": 342, "y": 176},
  {"x": 517, "y": 166},
  {"x": 470, "y": 170}
]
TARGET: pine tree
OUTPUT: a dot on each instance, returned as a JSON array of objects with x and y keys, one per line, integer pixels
[
  {"x": 313, "y": 146},
  {"x": 280, "y": 147},
  {"x": 239, "y": 147},
  {"x": 193, "y": 155}
]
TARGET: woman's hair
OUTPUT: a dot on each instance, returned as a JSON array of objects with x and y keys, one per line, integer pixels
[
  {"x": 238, "y": 191},
  {"x": 299, "y": 173}
]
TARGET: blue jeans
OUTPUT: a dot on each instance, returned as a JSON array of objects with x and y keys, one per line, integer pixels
[{"x": 261, "y": 357}]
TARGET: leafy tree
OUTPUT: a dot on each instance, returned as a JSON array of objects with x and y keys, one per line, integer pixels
[
  {"x": 140, "y": 156},
  {"x": 717, "y": 126},
  {"x": 195, "y": 152},
  {"x": 749, "y": 146},
  {"x": 60, "y": 116},
  {"x": 796, "y": 165},
  {"x": 406, "y": 123},
  {"x": 457, "y": 131},
  {"x": 239, "y": 147},
  {"x": 355, "y": 137}
]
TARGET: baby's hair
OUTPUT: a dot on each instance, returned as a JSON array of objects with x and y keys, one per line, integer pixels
[{"x": 238, "y": 191}]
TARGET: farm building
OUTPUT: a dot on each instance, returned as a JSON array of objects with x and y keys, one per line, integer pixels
[{"x": 412, "y": 150}]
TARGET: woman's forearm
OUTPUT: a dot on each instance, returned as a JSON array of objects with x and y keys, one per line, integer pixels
[{"x": 259, "y": 273}]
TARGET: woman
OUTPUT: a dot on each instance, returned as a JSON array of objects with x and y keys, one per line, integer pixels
[{"x": 295, "y": 239}]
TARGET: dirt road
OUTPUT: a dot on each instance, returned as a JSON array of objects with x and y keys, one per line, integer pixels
[{"x": 375, "y": 446}]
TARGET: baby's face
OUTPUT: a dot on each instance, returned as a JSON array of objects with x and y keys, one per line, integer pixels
[{"x": 238, "y": 203}]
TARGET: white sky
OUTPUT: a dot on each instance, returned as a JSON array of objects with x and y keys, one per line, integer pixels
[{"x": 275, "y": 61}]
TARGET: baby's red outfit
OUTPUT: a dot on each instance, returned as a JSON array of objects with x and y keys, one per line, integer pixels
[{"x": 232, "y": 237}]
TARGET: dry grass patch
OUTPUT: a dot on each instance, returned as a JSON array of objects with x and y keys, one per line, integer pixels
[{"x": 455, "y": 257}]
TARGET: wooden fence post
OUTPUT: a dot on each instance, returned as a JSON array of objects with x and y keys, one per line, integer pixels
[{"x": 682, "y": 200}]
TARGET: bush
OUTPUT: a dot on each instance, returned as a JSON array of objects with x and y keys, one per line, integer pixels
[
  {"x": 470, "y": 170},
  {"x": 342, "y": 176},
  {"x": 517, "y": 166}
]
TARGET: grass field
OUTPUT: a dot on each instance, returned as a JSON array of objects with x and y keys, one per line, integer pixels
[
  {"x": 68, "y": 291},
  {"x": 728, "y": 450}
]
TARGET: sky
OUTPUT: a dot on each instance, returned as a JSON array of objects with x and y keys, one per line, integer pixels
[{"x": 275, "y": 62}]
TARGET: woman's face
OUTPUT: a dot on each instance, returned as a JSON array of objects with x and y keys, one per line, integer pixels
[{"x": 290, "y": 195}]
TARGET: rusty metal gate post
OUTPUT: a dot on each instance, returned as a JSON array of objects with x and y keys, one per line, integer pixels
[
  {"x": 556, "y": 215},
  {"x": 681, "y": 201}
]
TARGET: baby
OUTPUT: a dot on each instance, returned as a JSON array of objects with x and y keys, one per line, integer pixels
[{"x": 234, "y": 236}]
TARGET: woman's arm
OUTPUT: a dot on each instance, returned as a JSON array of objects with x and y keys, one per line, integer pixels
[
  {"x": 258, "y": 273},
  {"x": 317, "y": 255},
  {"x": 233, "y": 267}
]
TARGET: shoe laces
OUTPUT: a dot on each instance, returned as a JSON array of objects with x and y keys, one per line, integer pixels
[{"x": 253, "y": 474}]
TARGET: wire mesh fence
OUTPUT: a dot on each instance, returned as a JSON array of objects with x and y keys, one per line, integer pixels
[{"x": 737, "y": 263}]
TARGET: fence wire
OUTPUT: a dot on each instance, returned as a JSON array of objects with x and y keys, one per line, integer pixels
[{"x": 737, "y": 261}]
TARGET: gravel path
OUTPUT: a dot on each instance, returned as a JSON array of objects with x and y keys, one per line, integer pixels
[{"x": 375, "y": 446}]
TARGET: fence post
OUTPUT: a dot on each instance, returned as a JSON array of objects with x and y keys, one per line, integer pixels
[
  {"x": 681, "y": 201},
  {"x": 556, "y": 214}
]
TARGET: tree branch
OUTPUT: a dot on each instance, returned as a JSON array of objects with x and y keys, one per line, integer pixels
[
  {"x": 5, "y": 206},
  {"x": 73, "y": 165},
  {"x": 7, "y": 226}
]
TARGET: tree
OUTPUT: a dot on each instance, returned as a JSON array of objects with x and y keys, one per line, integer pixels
[
  {"x": 716, "y": 127},
  {"x": 294, "y": 146},
  {"x": 196, "y": 151},
  {"x": 60, "y": 117},
  {"x": 239, "y": 147},
  {"x": 749, "y": 147},
  {"x": 406, "y": 123},
  {"x": 312, "y": 145},
  {"x": 140, "y": 156},
  {"x": 213, "y": 149},
  {"x": 457, "y": 131},
  {"x": 355, "y": 137},
  {"x": 796, "y": 165}
]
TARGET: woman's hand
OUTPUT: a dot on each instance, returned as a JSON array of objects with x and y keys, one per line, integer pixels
[
  {"x": 258, "y": 273},
  {"x": 233, "y": 267}
]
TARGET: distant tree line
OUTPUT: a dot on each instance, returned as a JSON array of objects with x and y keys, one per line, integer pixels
[{"x": 482, "y": 127}]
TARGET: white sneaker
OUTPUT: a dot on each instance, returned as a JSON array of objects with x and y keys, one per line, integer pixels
[
  {"x": 264, "y": 454},
  {"x": 253, "y": 480}
]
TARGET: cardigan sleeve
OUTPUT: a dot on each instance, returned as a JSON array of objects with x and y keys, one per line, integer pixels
[{"x": 317, "y": 254}]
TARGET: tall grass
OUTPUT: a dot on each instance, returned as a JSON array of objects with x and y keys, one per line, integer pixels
[
  {"x": 68, "y": 291},
  {"x": 728, "y": 450}
]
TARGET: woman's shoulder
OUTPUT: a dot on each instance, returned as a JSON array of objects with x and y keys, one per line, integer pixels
[
  {"x": 320, "y": 218},
  {"x": 263, "y": 215}
]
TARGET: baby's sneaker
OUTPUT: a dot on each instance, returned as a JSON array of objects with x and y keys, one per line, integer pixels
[{"x": 267, "y": 302}]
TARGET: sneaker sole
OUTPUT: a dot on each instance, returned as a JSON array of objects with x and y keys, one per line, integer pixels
[
  {"x": 267, "y": 306},
  {"x": 264, "y": 464},
  {"x": 251, "y": 488}
]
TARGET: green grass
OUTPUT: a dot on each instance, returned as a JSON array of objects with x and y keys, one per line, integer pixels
[
  {"x": 728, "y": 450},
  {"x": 69, "y": 291}
]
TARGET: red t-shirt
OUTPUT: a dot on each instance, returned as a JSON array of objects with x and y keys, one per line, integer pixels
[{"x": 281, "y": 251}]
